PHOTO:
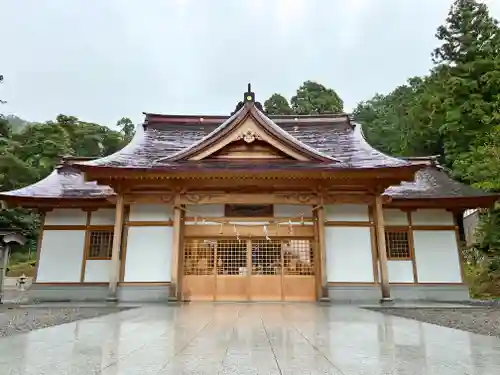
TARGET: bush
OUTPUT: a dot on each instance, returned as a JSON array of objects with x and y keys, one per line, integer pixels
[
  {"x": 16, "y": 258},
  {"x": 21, "y": 268}
]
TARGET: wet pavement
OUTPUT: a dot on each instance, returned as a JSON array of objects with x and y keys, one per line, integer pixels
[{"x": 249, "y": 339}]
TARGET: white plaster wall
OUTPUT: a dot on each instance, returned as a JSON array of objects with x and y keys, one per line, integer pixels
[
  {"x": 149, "y": 254},
  {"x": 150, "y": 212},
  {"x": 436, "y": 255},
  {"x": 103, "y": 216},
  {"x": 205, "y": 210},
  {"x": 97, "y": 271},
  {"x": 348, "y": 254},
  {"x": 61, "y": 256},
  {"x": 347, "y": 212},
  {"x": 400, "y": 271},
  {"x": 290, "y": 210},
  {"x": 66, "y": 216},
  {"x": 432, "y": 217},
  {"x": 395, "y": 217}
]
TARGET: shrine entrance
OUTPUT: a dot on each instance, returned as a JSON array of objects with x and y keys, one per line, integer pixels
[{"x": 249, "y": 270}]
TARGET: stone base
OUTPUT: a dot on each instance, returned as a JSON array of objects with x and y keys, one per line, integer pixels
[
  {"x": 356, "y": 294},
  {"x": 371, "y": 293},
  {"x": 98, "y": 293}
]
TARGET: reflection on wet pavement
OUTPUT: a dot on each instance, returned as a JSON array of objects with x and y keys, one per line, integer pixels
[{"x": 249, "y": 339}]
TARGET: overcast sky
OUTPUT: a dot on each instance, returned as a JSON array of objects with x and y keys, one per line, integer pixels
[{"x": 104, "y": 59}]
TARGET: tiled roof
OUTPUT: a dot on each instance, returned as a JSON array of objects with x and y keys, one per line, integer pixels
[
  {"x": 66, "y": 182},
  {"x": 161, "y": 137},
  {"x": 334, "y": 136},
  {"x": 434, "y": 183},
  {"x": 63, "y": 182},
  {"x": 250, "y": 110}
]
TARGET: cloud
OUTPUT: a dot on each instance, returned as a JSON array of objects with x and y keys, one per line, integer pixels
[{"x": 351, "y": 16}]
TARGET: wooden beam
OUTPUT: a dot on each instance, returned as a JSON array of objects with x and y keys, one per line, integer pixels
[
  {"x": 39, "y": 244},
  {"x": 283, "y": 197},
  {"x": 382, "y": 251},
  {"x": 176, "y": 248},
  {"x": 246, "y": 231},
  {"x": 320, "y": 215},
  {"x": 411, "y": 243},
  {"x": 236, "y": 198},
  {"x": 114, "y": 273}
]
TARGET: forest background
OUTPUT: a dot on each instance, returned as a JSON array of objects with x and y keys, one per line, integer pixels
[{"x": 452, "y": 112}]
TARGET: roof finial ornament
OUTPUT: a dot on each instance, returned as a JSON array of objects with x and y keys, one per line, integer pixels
[{"x": 249, "y": 95}]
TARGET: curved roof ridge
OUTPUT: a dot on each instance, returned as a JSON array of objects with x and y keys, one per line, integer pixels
[
  {"x": 238, "y": 116},
  {"x": 286, "y": 134},
  {"x": 136, "y": 141},
  {"x": 64, "y": 181},
  {"x": 186, "y": 150},
  {"x": 360, "y": 137}
]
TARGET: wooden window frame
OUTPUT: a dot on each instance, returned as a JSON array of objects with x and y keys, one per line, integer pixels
[
  {"x": 405, "y": 231},
  {"x": 249, "y": 210},
  {"x": 103, "y": 254}
]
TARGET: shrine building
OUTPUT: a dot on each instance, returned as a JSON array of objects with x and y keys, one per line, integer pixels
[{"x": 249, "y": 207}]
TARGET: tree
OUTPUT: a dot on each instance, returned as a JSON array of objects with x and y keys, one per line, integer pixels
[
  {"x": 314, "y": 98},
  {"x": 127, "y": 127},
  {"x": 468, "y": 60},
  {"x": 403, "y": 122},
  {"x": 470, "y": 34},
  {"x": 454, "y": 111},
  {"x": 277, "y": 104},
  {"x": 481, "y": 165},
  {"x": 41, "y": 146},
  {"x": 4, "y": 127}
]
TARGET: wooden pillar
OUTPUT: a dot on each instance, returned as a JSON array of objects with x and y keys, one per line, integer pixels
[
  {"x": 114, "y": 273},
  {"x": 39, "y": 243},
  {"x": 176, "y": 248},
  {"x": 320, "y": 222},
  {"x": 382, "y": 252}
]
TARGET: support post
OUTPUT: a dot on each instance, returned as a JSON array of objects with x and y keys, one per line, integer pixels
[
  {"x": 176, "y": 248},
  {"x": 320, "y": 216},
  {"x": 382, "y": 252},
  {"x": 114, "y": 273},
  {"x": 4, "y": 261}
]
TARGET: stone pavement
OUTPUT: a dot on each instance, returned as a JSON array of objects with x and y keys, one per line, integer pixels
[{"x": 249, "y": 339}]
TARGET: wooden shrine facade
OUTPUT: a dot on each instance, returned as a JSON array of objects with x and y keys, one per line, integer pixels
[{"x": 249, "y": 207}]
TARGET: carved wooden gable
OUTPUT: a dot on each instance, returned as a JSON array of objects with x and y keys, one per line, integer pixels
[{"x": 249, "y": 140}]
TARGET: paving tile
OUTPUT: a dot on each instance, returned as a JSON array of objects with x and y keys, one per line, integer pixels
[{"x": 249, "y": 339}]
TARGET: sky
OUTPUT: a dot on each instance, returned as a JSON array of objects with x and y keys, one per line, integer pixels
[{"x": 101, "y": 60}]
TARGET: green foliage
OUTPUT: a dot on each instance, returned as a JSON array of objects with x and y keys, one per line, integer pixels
[
  {"x": 311, "y": 98},
  {"x": 453, "y": 112},
  {"x": 33, "y": 150},
  {"x": 481, "y": 164},
  {"x": 398, "y": 124},
  {"x": 314, "y": 98},
  {"x": 469, "y": 34},
  {"x": 126, "y": 127},
  {"x": 277, "y": 104}
]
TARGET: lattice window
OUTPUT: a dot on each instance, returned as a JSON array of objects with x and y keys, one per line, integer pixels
[
  {"x": 397, "y": 244},
  {"x": 298, "y": 257},
  {"x": 100, "y": 244},
  {"x": 266, "y": 257},
  {"x": 199, "y": 257},
  {"x": 231, "y": 257}
]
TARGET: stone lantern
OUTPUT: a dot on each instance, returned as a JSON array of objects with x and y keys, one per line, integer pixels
[{"x": 8, "y": 237}]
